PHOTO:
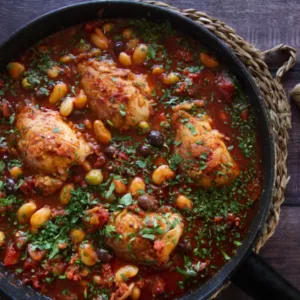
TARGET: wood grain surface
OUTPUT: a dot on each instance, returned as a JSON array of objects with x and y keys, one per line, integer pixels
[{"x": 265, "y": 24}]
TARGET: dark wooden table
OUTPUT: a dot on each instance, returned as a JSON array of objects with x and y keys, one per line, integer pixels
[{"x": 265, "y": 24}]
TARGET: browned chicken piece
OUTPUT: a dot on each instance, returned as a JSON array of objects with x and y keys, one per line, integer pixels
[
  {"x": 205, "y": 157},
  {"x": 145, "y": 239},
  {"x": 49, "y": 146},
  {"x": 46, "y": 184},
  {"x": 115, "y": 94}
]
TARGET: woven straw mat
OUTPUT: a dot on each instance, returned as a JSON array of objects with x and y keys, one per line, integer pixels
[{"x": 272, "y": 92}]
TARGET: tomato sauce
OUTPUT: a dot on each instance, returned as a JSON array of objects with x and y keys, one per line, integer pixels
[{"x": 212, "y": 218}]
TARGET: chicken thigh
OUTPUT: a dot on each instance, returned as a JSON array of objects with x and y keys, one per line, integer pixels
[
  {"x": 49, "y": 146},
  {"x": 115, "y": 94},
  {"x": 205, "y": 157},
  {"x": 148, "y": 238}
]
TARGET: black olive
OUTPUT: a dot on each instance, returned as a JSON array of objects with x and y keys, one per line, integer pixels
[
  {"x": 145, "y": 150},
  {"x": 10, "y": 186},
  {"x": 77, "y": 114},
  {"x": 111, "y": 151},
  {"x": 185, "y": 245},
  {"x": 147, "y": 202},
  {"x": 118, "y": 47},
  {"x": 104, "y": 255},
  {"x": 155, "y": 138}
]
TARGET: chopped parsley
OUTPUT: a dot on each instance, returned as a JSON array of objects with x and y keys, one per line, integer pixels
[
  {"x": 56, "y": 130},
  {"x": 2, "y": 166},
  {"x": 9, "y": 200},
  {"x": 195, "y": 69},
  {"x": 192, "y": 128},
  {"x": 141, "y": 164},
  {"x": 126, "y": 200},
  {"x": 56, "y": 231},
  {"x": 175, "y": 160}
]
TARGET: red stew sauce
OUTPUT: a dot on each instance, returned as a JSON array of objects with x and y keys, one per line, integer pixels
[{"x": 167, "y": 181}]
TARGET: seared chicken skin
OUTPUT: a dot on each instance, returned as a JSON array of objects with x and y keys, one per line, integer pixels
[
  {"x": 115, "y": 94},
  {"x": 206, "y": 158},
  {"x": 49, "y": 146},
  {"x": 148, "y": 238}
]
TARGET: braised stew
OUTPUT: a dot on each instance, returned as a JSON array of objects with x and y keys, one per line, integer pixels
[{"x": 130, "y": 163}]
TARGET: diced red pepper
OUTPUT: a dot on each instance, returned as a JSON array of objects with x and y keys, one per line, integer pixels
[
  {"x": 27, "y": 187},
  {"x": 237, "y": 221},
  {"x": 12, "y": 255},
  {"x": 77, "y": 178},
  {"x": 254, "y": 189},
  {"x": 161, "y": 118},
  {"x": 230, "y": 217},
  {"x": 218, "y": 219},
  {"x": 226, "y": 87},
  {"x": 89, "y": 27},
  {"x": 83, "y": 184},
  {"x": 29, "y": 264},
  {"x": 123, "y": 156},
  {"x": 184, "y": 55},
  {"x": 6, "y": 110},
  {"x": 224, "y": 116},
  {"x": 158, "y": 286},
  {"x": 103, "y": 217},
  {"x": 159, "y": 245},
  {"x": 97, "y": 218},
  {"x": 99, "y": 162},
  {"x": 160, "y": 161}
]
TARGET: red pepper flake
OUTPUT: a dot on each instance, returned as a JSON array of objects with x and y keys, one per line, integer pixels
[{"x": 245, "y": 114}]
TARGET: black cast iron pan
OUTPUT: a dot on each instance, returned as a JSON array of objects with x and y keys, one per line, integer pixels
[{"x": 246, "y": 269}]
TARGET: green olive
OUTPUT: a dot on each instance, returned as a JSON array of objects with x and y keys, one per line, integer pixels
[
  {"x": 94, "y": 177},
  {"x": 144, "y": 126},
  {"x": 26, "y": 84}
]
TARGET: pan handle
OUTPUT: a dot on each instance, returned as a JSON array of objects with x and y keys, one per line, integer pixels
[
  {"x": 288, "y": 64},
  {"x": 261, "y": 281}
]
